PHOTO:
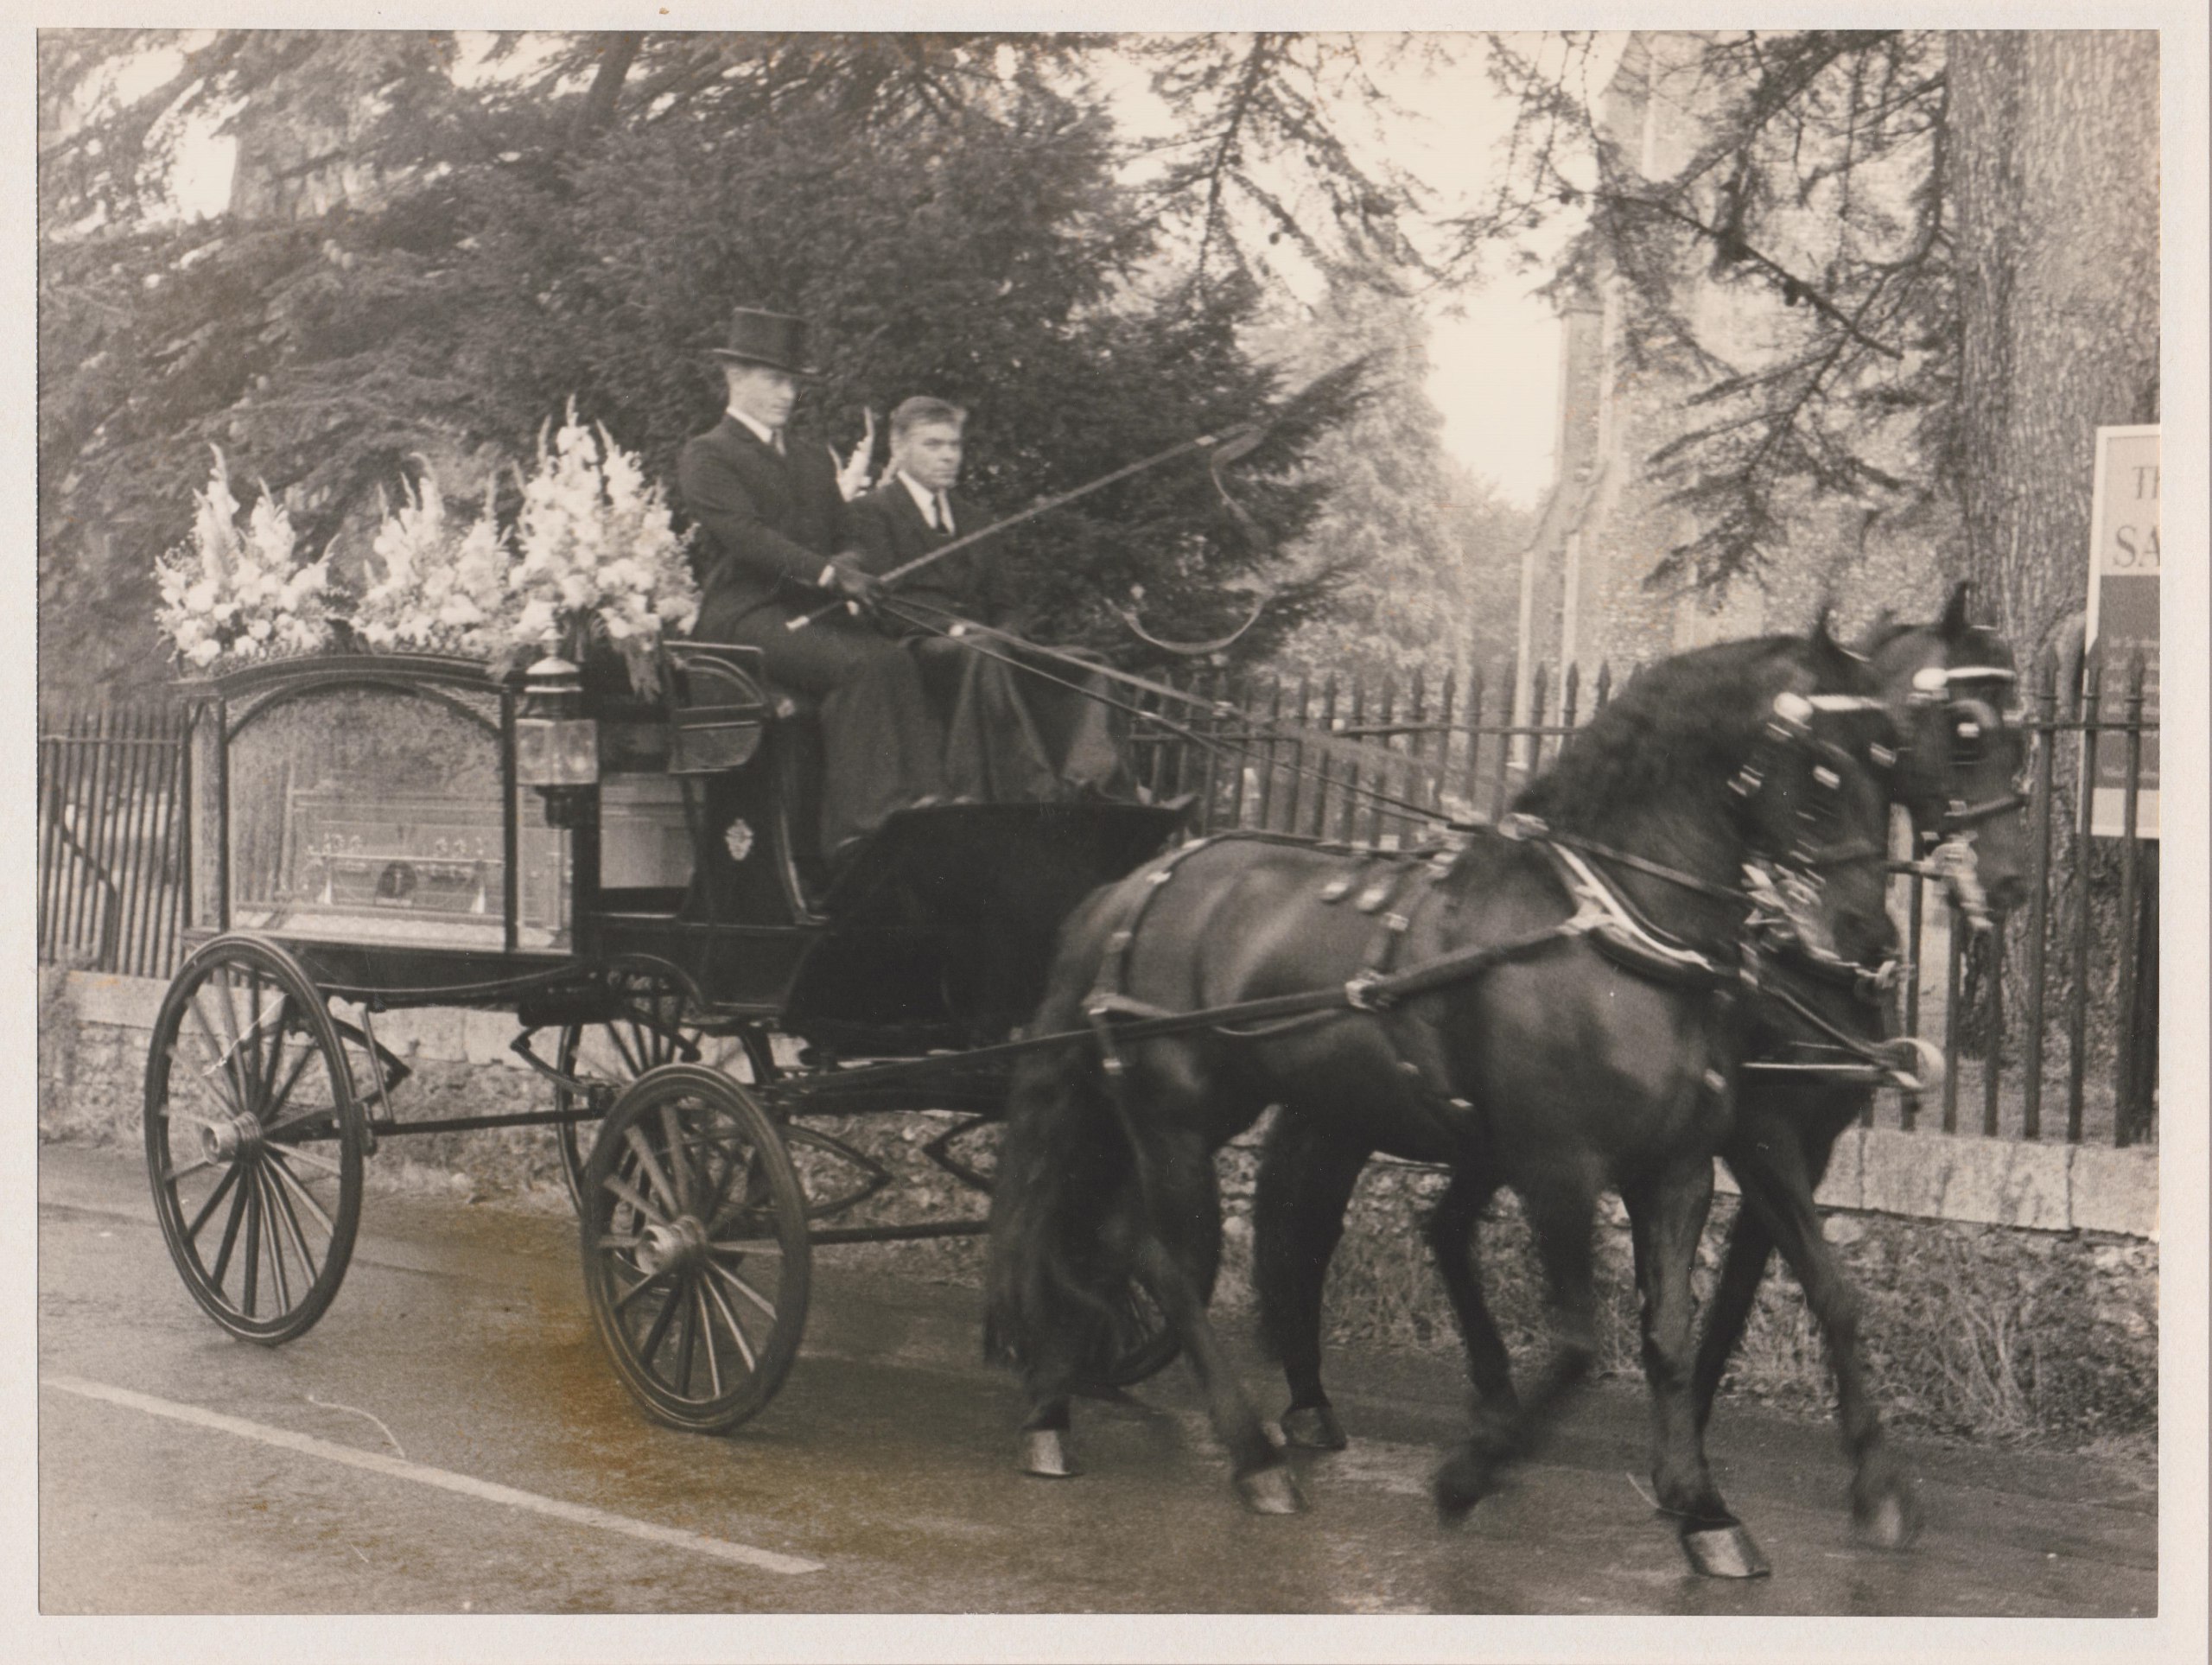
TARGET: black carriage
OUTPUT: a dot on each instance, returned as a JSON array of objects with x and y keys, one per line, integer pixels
[{"x": 629, "y": 877}]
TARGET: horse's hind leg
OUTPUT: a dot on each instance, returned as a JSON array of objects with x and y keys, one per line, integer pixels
[
  {"x": 1048, "y": 1385},
  {"x": 1559, "y": 1217},
  {"x": 1305, "y": 1184},
  {"x": 1667, "y": 1215},
  {"x": 1176, "y": 1256},
  {"x": 1777, "y": 1182}
]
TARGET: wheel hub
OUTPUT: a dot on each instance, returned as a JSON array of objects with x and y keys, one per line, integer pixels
[
  {"x": 662, "y": 1247},
  {"x": 227, "y": 1140}
]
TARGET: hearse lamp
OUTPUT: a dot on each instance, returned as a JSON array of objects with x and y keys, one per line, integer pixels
[{"x": 557, "y": 747}]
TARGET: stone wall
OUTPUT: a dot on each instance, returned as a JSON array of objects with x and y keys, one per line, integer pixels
[{"x": 2012, "y": 1290}]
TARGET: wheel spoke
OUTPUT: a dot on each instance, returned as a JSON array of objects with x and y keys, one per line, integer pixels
[
  {"x": 274, "y": 1035},
  {"x": 707, "y": 1330},
  {"x": 250, "y": 1037},
  {"x": 252, "y": 1248},
  {"x": 291, "y": 1218},
  {"x": 230, "y": 1235},
  {"x": 679, "y": 1170},
  {"x": 285, "y": 1176},
  {"x": 218, "y": 1057},
  {"x": 687, "y": 1339},
  {"x": 741, "y": 1176},
  {"x": 656, "y": 1334},
  {"x": 170, "y": 1176},
  {"x": 736, "y": 1329},
  {"x": 651, "y": 1163},
  {"x": 221, "y": 1113},
  {"x": 275, "y": 1236},
  {"x": 652, "y": 1049},
  {"x": 236, "y": 1058},
  {"x": 636, "y": 1199},
  {"x": 292, "y": 1153},
  {"x": 744, "y": 1288},
  {"x": 279, "y": 1094},
  {"x": 214, "y": 1196},
  {"x": 637, "y": 1289},
  {"x": 629, "y": 1059},
  {"x": 762, "y": 1246}
]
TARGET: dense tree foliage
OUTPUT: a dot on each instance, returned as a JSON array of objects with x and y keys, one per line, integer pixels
[{"x": 420, "y": 263}]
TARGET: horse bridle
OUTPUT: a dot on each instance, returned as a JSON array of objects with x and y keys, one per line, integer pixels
[
  {"x": 1973, "y": 720},
  {"x": 1791, "y": 725}
]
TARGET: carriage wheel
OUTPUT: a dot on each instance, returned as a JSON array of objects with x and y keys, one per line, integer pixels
[
  {"x": 695, "y": 1248},
  {"x": 1140, "y": 1342},
  {"x": 650, "y": 1031},
  {"x": 253, "y": 1140}
]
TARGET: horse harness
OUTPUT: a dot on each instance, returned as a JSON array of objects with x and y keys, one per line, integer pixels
[{"x": 1397, "y": 886}]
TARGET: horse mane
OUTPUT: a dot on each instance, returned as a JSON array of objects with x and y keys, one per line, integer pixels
[
  {"x": 1975, "y": 643},
  {"x": 1692, "y": 717}
]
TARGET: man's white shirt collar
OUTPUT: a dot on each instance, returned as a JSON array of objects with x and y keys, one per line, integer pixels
[
  {"x": 765, "y": 435},
  {"x": 924, "y": 498}
]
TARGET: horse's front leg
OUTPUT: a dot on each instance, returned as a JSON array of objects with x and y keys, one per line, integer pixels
[
  {"x": 1305, "y": 1186},
  {"x": 1778, "y": 1176},
  {"x": 1666, "y": 1213},
  {"x": 1743, "y": 1267},
  {"x": 1452, "y": 1246}
]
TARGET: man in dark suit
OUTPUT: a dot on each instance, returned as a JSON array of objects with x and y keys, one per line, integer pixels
[
  {"x": 1011, "y": 736},
  {"x": 773, "y": 544}
]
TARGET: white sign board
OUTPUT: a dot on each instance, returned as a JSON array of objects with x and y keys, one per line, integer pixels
[{"x": 2124, "y": 615}]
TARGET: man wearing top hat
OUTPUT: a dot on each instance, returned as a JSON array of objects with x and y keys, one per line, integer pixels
[{"x": 773, "y": 544}]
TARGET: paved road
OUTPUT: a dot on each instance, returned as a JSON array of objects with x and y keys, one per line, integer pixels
[{"x": 449, "y": 1439}]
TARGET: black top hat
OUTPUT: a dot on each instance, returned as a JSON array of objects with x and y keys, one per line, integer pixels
[{"x": 774, "y": 339}]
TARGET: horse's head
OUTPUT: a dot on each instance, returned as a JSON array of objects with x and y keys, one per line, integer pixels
[
  {"x": 1952, "y": 689},
  {"x": 1814, "y": 801}
]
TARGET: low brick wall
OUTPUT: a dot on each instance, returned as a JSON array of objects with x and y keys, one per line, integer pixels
[{"x": 2010, "y": 1289}]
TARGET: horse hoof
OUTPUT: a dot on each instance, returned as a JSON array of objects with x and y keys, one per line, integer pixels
[
  {"x": 1463, "y": 1480},
  {"x": 1271, "y": 1490},
  {"x": 1313, "y": 1428},
  {"x": 1723, "y": 1552},
  {"x": 1044, "y": 1452},
  {"x": 1890, "y": 1522}
]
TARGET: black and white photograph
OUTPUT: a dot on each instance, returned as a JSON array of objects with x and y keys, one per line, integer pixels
[{"x": 1089, "y": 834}]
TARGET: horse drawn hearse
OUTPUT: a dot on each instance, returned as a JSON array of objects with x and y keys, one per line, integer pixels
[
  {"x": 1677, "y": 955},
  {"x": 368, "y": 838}
]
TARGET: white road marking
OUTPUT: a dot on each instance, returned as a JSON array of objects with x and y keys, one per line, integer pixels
[{"x": 444, "y": 1479}]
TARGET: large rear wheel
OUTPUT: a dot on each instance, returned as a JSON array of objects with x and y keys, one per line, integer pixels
[
  {"x": 253, "y": 1140},
  {"x": 651, "y": 1025},
  {"x": 696, "y": 1249}
]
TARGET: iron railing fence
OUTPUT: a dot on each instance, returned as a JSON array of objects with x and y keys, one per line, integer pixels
[
  {"x": 2078, "y": 962},
  {"x": 110, "y": 836}
]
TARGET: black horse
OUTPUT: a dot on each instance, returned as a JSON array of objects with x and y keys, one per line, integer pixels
[
  {"x": 1948, "y": 687},
  {"x": 1951, "y": 687},
  {"x": 1556, "y": 1032}
]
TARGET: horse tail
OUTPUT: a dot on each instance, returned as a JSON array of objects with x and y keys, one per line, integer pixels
[{"x": 1064, "y": 1205}]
